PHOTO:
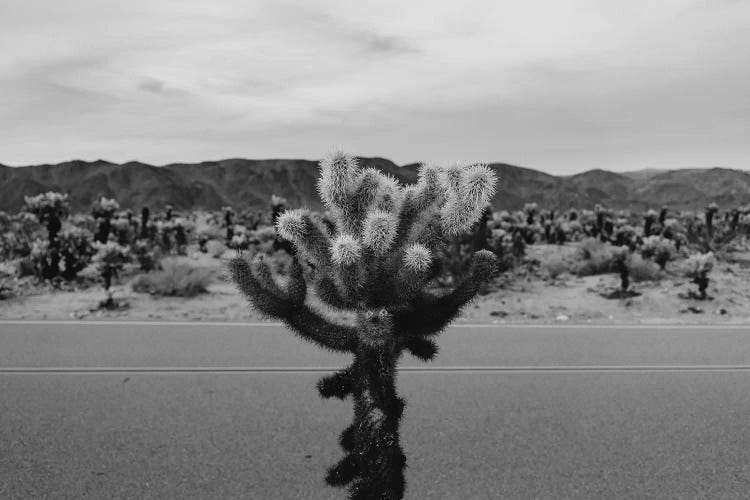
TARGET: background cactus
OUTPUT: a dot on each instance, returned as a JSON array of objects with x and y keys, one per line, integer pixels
[
  {"x": 109, "y": 258},
  {"x": 376, "y": 263},
  {"x": 50, "y": 208},
  {"x": 698, "y": 267}
]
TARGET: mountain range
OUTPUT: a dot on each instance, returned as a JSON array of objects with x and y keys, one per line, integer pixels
[{"x": 250, "y": 183}]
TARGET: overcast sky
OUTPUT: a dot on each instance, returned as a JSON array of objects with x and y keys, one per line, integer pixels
[{"x": 559, "y": 85}]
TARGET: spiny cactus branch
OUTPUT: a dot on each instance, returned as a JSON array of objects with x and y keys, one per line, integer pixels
[{"x": 268, "y": 298}]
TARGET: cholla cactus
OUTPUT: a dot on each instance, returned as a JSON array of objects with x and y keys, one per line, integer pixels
[
  {"x": 711, "y": 210},
  {"x": 49, "y": 208},
  {"x": 531, "y": 210},
  {"x": 620, "y": 257},
  {"x": 44, "y": 259},
  {"x": 661, "y": 249},
  {"x": 663, "y": 214},
  {"x": 109, "y": 258},
  {"x": 625, "y": 234},
  {"x": 76, "y": 250},
  {"x": 648, "y": 221},
  {"x": 375, "y": 264},
  {"x": 698, "y": 267},
  {"x": 105, "y": 207},
  {"x": 44, "y": 204}
]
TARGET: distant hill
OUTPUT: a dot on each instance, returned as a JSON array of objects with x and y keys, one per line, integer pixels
[
  {"x": 250, "y": 183},
  {"x": 644, "y": 173}
]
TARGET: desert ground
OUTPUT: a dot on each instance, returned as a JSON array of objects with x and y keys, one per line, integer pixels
[{"x": 524, "y": 294}]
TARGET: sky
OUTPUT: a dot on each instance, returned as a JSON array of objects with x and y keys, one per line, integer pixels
[{"x": 561, "y": 86}]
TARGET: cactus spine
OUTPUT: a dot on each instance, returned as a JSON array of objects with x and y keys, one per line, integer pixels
[{"x": 376, "y": 263}]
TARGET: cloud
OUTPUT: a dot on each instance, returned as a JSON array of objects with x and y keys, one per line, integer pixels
[
  {"x": 561, "y": 85},
  {"x": 152, "y": 85}
]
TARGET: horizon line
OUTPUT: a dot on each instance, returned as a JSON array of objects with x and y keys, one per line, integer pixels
[{"x": 637, "y": 170}]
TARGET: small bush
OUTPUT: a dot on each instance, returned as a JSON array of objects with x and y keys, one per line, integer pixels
[
  {"x": 215, "y": 248},
  {"x": 176, "y": 279},
  {"x": 556, "y": 266},
  {"x": 595, "y": 257},
  {"x": 641, "y": 269}
]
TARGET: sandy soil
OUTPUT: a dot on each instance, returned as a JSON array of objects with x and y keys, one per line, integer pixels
[{"x": 527, "y": 296}]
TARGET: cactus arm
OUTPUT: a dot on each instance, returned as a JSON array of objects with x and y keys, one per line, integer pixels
[
  {"x": 310, "y": 325},
  {"x": 268, "y": 299},
  {"x": 257, "y": 284},
  {"x": 421, "y": 348},
  {"x": 329, "y": 293},
  {"x": 430, "y": 315},
  {"x": 339, "y": 385}
]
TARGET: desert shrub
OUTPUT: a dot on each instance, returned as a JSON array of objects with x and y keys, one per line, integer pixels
[
  {"x": 556, "y": 265},
  {"x": 658, "y": 248},
  {"x": 146, "y": 254},
  {"x": 207, "y": 229},
  {"x": 593, "y": 257},
  {"x": 18, "y": 234},
  {"x": 641, "y": 269},
  {"x": 508, "y": 249},
  {"x": 215, "y": 248},
  {"x": 175, "y": 279}
]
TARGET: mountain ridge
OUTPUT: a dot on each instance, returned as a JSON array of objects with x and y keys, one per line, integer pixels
[{"x": 249, "y": 183}]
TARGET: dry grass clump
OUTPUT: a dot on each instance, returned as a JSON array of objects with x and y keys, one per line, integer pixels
[
  {"x": 556, "y": 265},
  {"x": 176, "y": 279}
]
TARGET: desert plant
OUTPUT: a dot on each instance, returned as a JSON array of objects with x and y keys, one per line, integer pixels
[
  {"x": 229, "y": 223},
  {"x": 19, "y": 233},
  {"x": 103, "y": 210},
  {"x": 109, "y": 259},
  {"x": 175, "y": 279},
  {"x": 593, "y": 257},
  {"x": 180, "y": 236},
  {"x": 49, "y": 208},
  {"x": 531, "y": 210},
  {"x": 146, "y": 254},
  {"x": 122, "y": 229},
  {"x": 698, "y": 267},
  {"x": 44, "y": 260},
  {"x": 648, "y": 222},
  {"x": 215, "y": 248},
  {"x": 663, "y": 215},
  {"x": 711, "y": 210},
  {"x": 619, "y": 258},
  {"x": 145, "y": 215},
  {"x": 76, "y": 250},
  {"x": 556, "y": 266},
  {"x": 376, "y": 265},
  {"x": 658, "y": 248},
  {"x": 640, "y": 269}
]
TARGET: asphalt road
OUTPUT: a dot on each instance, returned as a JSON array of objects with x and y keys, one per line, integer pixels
[{"x": 217, "y": 411}]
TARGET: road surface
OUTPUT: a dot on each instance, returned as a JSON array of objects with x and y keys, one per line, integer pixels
[{"x": 138, "y": 410}]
